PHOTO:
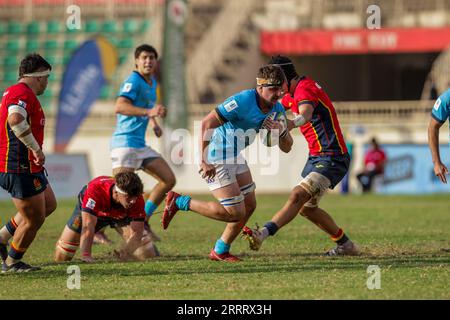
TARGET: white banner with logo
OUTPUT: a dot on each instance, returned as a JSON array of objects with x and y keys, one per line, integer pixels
[{"x": 67, "y": 174}]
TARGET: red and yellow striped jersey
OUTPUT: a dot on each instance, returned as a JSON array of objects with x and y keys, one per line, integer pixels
[
  {"x": 15, "y": 157},
  {"x": 96, "y": 198},
  {"x": 323, "y": 133}
]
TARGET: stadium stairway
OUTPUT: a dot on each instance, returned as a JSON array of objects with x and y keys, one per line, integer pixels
[{"x": 222, "y": 53}]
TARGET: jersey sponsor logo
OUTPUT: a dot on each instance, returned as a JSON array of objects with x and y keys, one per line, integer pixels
[
  {"x": 90, "y": 203},
  {"x": 22, "y": 104},
  {"x": 231, "y": 105},
  {"x": 437, "y": 104},
  {"x": 127, "y": 87}
]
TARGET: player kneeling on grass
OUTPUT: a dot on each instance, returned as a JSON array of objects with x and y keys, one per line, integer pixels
[{"x": 104, "y": 201}]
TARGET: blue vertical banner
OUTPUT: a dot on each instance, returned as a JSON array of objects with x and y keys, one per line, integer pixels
[{"x": 88, "y": 70}]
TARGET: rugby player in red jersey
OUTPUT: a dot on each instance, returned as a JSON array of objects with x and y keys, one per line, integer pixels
[
  {"x": 327, "y": 164},
  {"x": 107, "y": 201},
  {"x": 22, "y": 172}
]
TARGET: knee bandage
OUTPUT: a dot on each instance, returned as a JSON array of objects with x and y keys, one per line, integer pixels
[
  {"x": 67, "y": 248},
  {"x": 316, "y": 185},
  {"x": 248, "y": 188},
  {"x": 233, "y": 201}
]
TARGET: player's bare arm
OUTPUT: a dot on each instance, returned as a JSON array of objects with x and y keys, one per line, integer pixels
[
  {"x": 156, "y": 127},
  {"x": 209, "y": 123},
  {"x": 22, "y": 130},
  {"x": 305, "y": 112},
  {"x": 440, "y": 170},
  {"x": 286, "y": 140},
  {"x": 87, "y": 236},
  {"x": 125, "y": 107},
  {"x": 134, "y": 240}
]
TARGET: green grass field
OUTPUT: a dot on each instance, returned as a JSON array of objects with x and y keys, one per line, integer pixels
[{"x": 408, "y": 237}]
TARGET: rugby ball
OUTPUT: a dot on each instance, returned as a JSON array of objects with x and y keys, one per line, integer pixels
[{"x": 269, "y": 138}]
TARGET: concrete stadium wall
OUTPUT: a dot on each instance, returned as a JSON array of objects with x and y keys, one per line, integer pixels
[{"x": 278, "y": 172}]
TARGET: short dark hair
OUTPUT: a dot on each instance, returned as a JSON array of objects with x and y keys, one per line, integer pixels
[
  {"x": 286, "y": 64},
  {"x": 374, "y": 141},
  {"x": 32, "y": 63},
  {"x": 273, "y": 74},
  {"x": 146, "y": 48},
  {"x": 130, "y": 183}
]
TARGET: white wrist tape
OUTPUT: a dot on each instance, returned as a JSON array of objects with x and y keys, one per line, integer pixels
[
  {"x": 30, "y": 142},
  {"x": 17, "y": 109},
  {"x": 20, "y": 128},
  {"x": 299, "y": 120}
]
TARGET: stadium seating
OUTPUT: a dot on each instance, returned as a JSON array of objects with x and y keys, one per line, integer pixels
[{"x": 56, "y": 43}]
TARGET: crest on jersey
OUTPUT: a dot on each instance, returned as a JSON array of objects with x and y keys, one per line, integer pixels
[
  {"x": 127, "y": 87},
  {"x": 22, "y": 104},
  {"x": 437, "y": 104},
  {"x": 90, "y": 203},
  {"x": 231, "y": 105},
  {"x": 37, "y": 184}
]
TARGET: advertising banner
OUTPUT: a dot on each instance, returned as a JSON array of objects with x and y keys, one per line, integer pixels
[
  {"x": 67, "y": 174},
  {"x": 86, "y": 73},
  {"x": 409, "y": 170}
]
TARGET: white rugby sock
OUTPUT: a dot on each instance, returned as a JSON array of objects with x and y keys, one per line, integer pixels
[
  {"x": 265, "y": 233},
  {"x": 5, "y": 235}
]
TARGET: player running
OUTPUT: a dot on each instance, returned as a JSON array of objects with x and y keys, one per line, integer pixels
[
  {"x": 106, "y": 201},
  {"x": 439, "y": 114},
  {"x": 136, "y": 107},
  {"x": 221, "y": 164},
  {"x": 327, "y": 164},
  {"x": 22, "y": 172}
]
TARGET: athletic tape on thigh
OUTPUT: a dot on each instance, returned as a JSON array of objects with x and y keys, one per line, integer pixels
[
  {"x": 228, "y": 202},
  {"x": 315, "y": 184},
  {"x": 248, "y": 188},
  {"x": 67, "y": 248},
  {"x": 313, "y": 202}
]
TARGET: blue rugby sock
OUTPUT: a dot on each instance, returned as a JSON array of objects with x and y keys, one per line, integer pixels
[
  {"x": 11, "y": 226},
  {"x": 271, "y": 227},
  {"x": 183, "y": 202},
  {"x": 150, "y": 207},
  {"x": 221, "y": 247}
]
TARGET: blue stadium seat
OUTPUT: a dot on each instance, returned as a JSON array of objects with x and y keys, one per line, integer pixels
[
  {"x": 14, "y": 27},
  {"x": 32, "y": 45},
  {"x": 53, "y": 27},
  {"x": 33, "y": 27}
]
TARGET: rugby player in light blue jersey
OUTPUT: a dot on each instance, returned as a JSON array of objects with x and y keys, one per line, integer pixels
[
  {"x": 233, "y": 125},
  {"x": 439, "y": 114},
  {"x": 135, "y": 107}
]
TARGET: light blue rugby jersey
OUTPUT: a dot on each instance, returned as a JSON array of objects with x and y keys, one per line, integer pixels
[
  {"x": 441, "y": 108},
  {"x": 241, "y": 113},
  {"x": 130, "y": 130}
]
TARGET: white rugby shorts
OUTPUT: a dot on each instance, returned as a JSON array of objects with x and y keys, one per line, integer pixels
[
  {"x": 132, "y": 157},
  {"x": 226, "y": 173}
]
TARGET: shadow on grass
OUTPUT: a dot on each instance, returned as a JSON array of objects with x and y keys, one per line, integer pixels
[{"x": 255, "y": 263}]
